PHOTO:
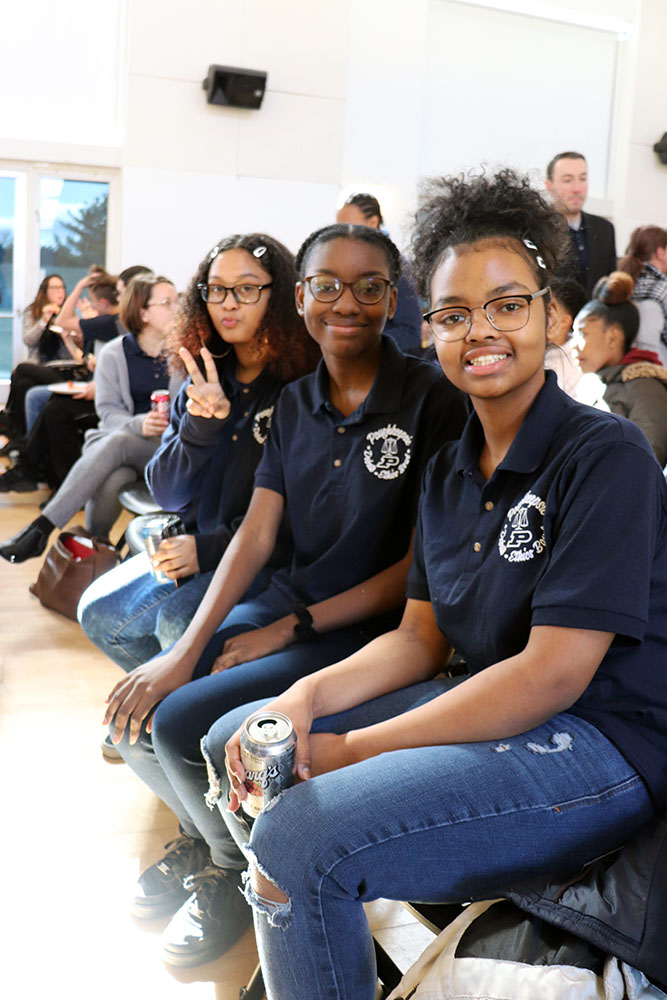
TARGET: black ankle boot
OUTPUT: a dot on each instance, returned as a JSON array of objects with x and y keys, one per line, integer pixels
[{"x": 29, "y": 543}]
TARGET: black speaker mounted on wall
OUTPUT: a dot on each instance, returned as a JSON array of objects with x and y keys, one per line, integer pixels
[
  {"x": 661, "y": 148},
  {"x": 234, "y": 88}
]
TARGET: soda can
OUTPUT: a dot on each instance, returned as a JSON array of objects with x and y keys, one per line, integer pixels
[
  {"x": 154, "y": 531},
  {"x": 268, "y": 747},
  {"x": 160, "y": 401}
]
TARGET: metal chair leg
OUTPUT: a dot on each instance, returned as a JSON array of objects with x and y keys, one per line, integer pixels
[{"x": 255, "y": 987}]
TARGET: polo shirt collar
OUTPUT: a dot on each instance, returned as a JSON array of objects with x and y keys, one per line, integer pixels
[
  {"x": 227, "y": 374},
  {"x": 533, "y": 440},
  {"x": 386, "y": 392},
  {"x": 131, "y": 345}
]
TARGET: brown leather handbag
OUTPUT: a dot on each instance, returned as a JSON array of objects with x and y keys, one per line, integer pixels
[{"x": 71, "y": 564}]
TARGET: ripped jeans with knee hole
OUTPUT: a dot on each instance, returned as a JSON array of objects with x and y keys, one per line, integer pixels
[{"x": 443, "y": 823}]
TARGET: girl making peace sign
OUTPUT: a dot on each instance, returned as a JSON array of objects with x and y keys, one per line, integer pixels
[{"x": 240, "y": 323}]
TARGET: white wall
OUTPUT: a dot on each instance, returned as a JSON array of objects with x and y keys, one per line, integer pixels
[{"x": 350, "y": 103}]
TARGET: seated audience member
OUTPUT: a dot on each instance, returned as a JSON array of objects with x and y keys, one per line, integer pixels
[
  {"x": 45, "y": 345},
  {"x": 244, "y": 329},
  {"x": 344, "y": 459},
  {"x": 593, "y": 241},
  {"x": 568, "y": 298},
  {"x": 404, "y": 326},
  {"x": 632, "y": 382},
  {"x": 129, "y": 369},
  {"x": 102, "y": 290},
  {"x": 646, "y": 261},
  {"x": 537, "y": 557},
  {"x": 56, "y": 424},
  {"x": 38, "y": 395}
]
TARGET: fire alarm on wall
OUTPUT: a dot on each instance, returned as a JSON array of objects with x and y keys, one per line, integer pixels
[{"x": 235, "y": 88}]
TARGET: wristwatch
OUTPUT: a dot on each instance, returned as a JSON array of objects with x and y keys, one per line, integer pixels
[{"x": 303, "y": 630}]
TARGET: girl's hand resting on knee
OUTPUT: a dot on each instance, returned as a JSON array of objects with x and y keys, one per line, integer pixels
[
  {"x": 135, "y": 697},
  {"x": 177, "y": 557},
  {"x": 255, "y": 644}
]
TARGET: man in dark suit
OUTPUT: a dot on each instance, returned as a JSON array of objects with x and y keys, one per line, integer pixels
[{"x": 593, "y": 238}]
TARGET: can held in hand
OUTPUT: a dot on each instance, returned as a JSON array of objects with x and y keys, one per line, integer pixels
[
  {"x": 156, "y": 530},
  {"x": 268, "y": 747},
  {"x": 160, "y": 402}
]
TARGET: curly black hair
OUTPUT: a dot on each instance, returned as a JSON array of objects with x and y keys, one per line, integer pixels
[
  {"x": 290, "y": 352},
  {"x": 345, "y": 231},
  {"x": 456, "y": 211}
]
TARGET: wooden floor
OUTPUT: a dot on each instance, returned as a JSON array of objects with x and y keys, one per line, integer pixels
[{"x": 77, "y": 831}]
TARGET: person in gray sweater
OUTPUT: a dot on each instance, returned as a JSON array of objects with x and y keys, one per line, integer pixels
[{"x": 129, "y": 369}]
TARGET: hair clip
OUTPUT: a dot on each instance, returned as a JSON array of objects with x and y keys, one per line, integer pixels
[
  {"x": 259, "y": 251},
  {"x": 214, "y": 253},
  {"x": 538, "y": 258}
]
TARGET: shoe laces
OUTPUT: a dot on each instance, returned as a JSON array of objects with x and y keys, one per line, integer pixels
[
  {"x": 182, "y": 855},
  {"x": 210, "y": 885}
]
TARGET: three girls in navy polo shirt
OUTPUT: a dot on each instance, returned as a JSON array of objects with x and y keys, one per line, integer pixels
[
  {"x": 541, "y": 555},
  {"x": 344, "y": 461}
]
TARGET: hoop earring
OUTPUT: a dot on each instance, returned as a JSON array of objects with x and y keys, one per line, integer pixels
[{"x": 219, "y": 356}]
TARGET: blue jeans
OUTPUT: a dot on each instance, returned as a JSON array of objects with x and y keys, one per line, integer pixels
[
  {"x": 169, "y": 760},
  {"x": 131, "y": 617},
  {"x": 35, "y": 400},
  {"x": 443, "y": 823}
]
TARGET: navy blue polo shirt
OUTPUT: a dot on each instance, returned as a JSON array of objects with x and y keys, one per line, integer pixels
[
  {"x": 208, "y": 466},
  {"x": 146, "y": 374},
  {"x": 569, "y": 531},
  {"x": 351, "y": 484},
  {"x": 99, "y": 328}
]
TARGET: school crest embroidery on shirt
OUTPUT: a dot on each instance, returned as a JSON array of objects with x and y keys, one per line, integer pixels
[
  {"x": 261, "y": 424},
  {"x": 522, "y": 536},
  {"x": 388, "y": 452}
]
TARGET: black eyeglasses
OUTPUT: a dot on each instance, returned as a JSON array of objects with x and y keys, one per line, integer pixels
[
  {"x": 367, "y": 290},
  {"x": 505, "y": 314},
  {"x": 247, "y": 295}
]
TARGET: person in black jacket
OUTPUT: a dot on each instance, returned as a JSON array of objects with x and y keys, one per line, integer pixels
[{"x": 593, "y": 238}]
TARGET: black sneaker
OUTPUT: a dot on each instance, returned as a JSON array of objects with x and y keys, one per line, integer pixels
[
  {"x": 16, "y": 481},
  {"x": 159, "y": 891},
  {"x": 208, "y": 924}
]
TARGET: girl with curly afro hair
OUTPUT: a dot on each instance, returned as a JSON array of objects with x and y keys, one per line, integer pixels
[{"x": 540, "y": 561}]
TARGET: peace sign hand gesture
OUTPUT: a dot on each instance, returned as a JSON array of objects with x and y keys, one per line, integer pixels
[{"x": 206, "y": 397}]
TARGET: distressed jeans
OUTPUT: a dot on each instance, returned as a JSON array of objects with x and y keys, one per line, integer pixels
[{"x": 443, "y": 823}]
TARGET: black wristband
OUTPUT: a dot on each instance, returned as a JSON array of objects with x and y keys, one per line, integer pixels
[{"x": 303, "y": 630}]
